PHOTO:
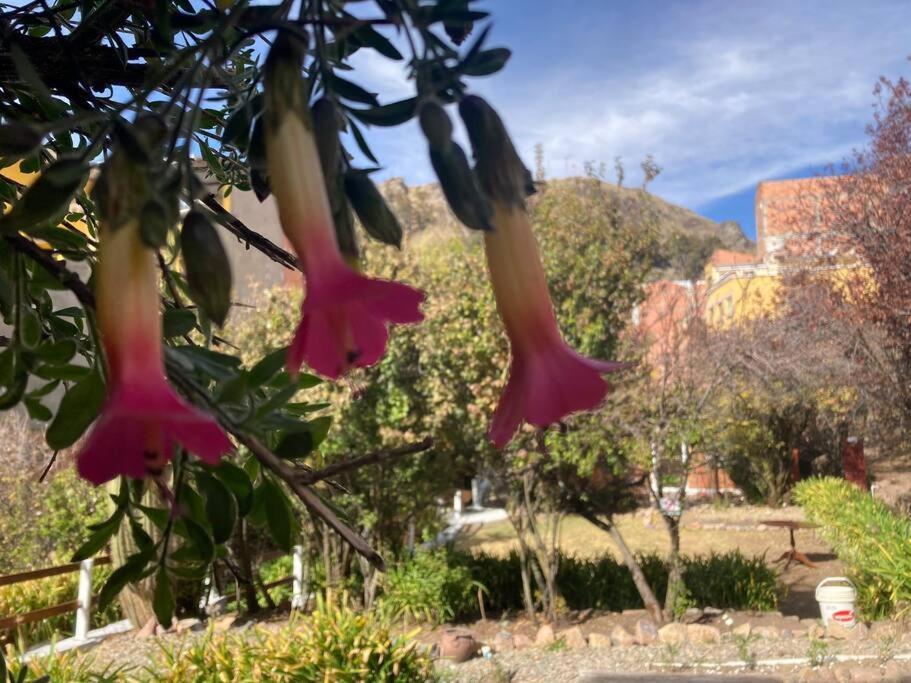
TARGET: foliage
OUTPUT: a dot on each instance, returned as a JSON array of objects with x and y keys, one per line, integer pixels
[
  {"x": 869, "y": 537},
  {"x": 724, "y": 580},
  {"x": 429, "y": 587},
  {"x": 333, "y": 643},
  {"x": 69, "y": 667},
  {"x": 24, "y": 597}
]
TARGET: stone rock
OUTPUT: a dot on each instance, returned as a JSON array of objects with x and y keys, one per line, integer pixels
[
  {"x": 503, "y": 642},
  {"x": 702, "y": 634},
  {"x": 837, "y": 631},
  {"x": 545, "y": 636},
  {"x": 712, "y": 611},
  {"x": 692, "y": 614},
  {"x": 743, "y": 631},
  {"x": 897, "y": 672},
  {"x": 865, "y": 674},
  {"x": 573, "y": 638},
  {"x": 223, "y": 623},
  {"x": 816, "y": 632},
  {"x": 767, "y": 632},
  {"x": 646, "y": 633},
  {"x": 189, "y": 624},
  {"x": 520, "y": 641},
  {"x": 584, "y": 615},
  {"x": 621, "y": 637},
  {"x": 807, "y": 623},
  {"x": 458, "y": 645},
  {"x": 634, "y": 613},
  {"x": 800, "y": 633},
  {"x": 599, "y": 641},
  {"x": 672, "y": 634}
]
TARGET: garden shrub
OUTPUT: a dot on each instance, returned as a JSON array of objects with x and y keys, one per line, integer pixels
[
  {"x": 430, "y": 586},
  {"x": 868, "y": 537},
  {"x": 334, "y": 643},
  {"x": 724, "y": 580}
]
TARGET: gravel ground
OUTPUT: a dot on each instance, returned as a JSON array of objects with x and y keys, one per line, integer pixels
[{"x": 542, "y": 666}]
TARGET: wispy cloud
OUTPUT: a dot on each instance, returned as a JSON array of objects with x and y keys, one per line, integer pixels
[{"x": 722, "y": 94}]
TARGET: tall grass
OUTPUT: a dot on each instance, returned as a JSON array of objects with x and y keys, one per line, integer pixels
[{"x": 872, "y": 540}]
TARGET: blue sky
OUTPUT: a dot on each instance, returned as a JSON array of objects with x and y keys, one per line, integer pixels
[{"x": 723, "y": 94}]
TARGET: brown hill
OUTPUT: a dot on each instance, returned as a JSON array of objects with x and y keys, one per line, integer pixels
[{"x": 687, "y": 239}]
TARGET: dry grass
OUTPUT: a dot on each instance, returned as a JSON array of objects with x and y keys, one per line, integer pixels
[{"x": 646, "y": 534}]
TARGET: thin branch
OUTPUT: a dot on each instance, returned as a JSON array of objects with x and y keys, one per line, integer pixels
[{"x": 369, "y": 459}]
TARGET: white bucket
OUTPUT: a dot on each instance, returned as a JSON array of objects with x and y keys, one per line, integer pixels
[{"x": 836, "y": 596}]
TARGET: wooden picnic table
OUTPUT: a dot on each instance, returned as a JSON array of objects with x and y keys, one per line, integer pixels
[{"x": 792, "y": 555}]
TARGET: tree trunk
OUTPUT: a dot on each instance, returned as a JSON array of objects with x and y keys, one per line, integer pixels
[
  {"x": 635, "y": 569},
  {"x": 136, "y": 598},
  {"x": 675, "y": 573},
  {"x": 241, "y": 551}
]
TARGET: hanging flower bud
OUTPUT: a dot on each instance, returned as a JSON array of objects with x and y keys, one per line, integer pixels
[
  {"x": 377, "y": 218},
  {"x": 458, "y": 182},
  {"x": 547, "y": 379},
  {"x": 344, "y": 314},
  {"x": 143, "y": 420}
]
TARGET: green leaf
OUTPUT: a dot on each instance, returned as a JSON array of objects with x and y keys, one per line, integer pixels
[
  {"x": 487, "y": 62},
  {"x": 131, "y": 570},
  {"x": 207, "y": 266},
  {"x": 47, "y": 198},
  {"x": 237, "y": 480},
  {"x": 221, "y": 508},
  {"x": 370, "y": 37},
  {"x": 352, "y": 91},
  {"x": 66, "y": 373},
  {"x": 200, "y": 539},
  {"x": 163, "y": 600},
  {"x": 29, "y": 330},
  {"x": 388, "y": 115},
  {"x": 178, "y": 322},
  {"x": 58, "y": 352},
  {"x": 99, "y": 538},
  {"x": 371, "y": 208},
  {"x": 158, "y": 516},
  {"x": 78, "y": 409},
  {"x": 27, "y": 71},
  {"x": 278, "y": 515},
  {"x": 299, "y": 444},
  {"x": 37, "y": 410},
  {"x": 267, "y": 367}
]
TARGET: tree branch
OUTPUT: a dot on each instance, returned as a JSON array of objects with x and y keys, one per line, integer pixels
[{"x": 370, "y": 459}]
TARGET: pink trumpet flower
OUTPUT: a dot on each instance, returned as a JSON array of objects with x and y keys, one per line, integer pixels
[
  {"x": 143, "y": 420},
  {"x": 344, "y": 315},
  {"x": 547, "y": 379}
]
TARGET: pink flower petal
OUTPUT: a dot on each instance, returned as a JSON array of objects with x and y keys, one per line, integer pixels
[
  {"x": 510, "y": 409},
  {"x": 344, "y": 320},
  {"x": 139, "y": 414}
]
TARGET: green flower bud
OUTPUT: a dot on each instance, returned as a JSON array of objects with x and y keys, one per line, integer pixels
[
  {"x": 375, "y": 215},
  {"x": 460, "y": 187},
  {"x": 502, "y": 175},
  {"x": 436, "y": 125}
]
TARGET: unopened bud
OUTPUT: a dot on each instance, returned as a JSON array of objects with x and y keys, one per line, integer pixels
[
  {"x": 375, "y": 215},
  {"x": 207, "y": 267},
  {"x": 502, "y": 175},
  {"x": 436, "y": 125},
  {"x": 460, "y": 187},
  {"x": 285, "y": 87}
]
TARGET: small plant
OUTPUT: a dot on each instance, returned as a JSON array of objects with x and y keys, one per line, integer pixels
[
  {"x": 818, "y": 653},
  {"x": 559, "y": 645},
  {"x": 69, "y": 667},
  {"x": 431, "y": 587},
  {"x": 334, "y": 643},
  {"x": 745, "y": 651},
  {"x": 868, "y": 537}
]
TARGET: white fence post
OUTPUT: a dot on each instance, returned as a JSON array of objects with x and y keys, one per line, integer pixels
[
  {"x": 84, "y": 609},
  {"x": 297, "y": 574}
]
